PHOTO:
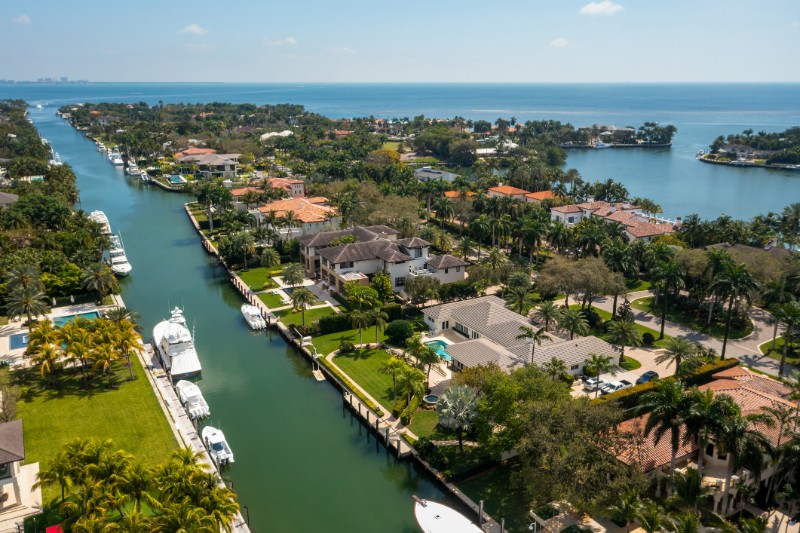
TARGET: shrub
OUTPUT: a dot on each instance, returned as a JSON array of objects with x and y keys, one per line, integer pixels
[
  {"x": 393, "y": 310},
  {"x": 335, "y": 323},
  {"x": 703, "y": 374},
  {"x": 430, "y": 453},
  {"x": 648, "y": 339},
  {"x": 409, "y": 411},
  {"x": 592, "y": 318},
  {"x": 399, "y": 406},
  {"x": 346, "y": 347},
  {"x": 398, "y": 331}
]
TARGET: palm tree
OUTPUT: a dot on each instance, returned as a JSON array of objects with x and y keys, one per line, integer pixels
[
  {"x": 547, "y": 312},
  {"x": 104, "y": 356},
  {"x": 535, "y": 336},
  {"x": 127, "y": 341},
  {"x": 379, "y": 319},
  {"x": 555, "y": 368},
  {"x": 270, "y": 258},
  {"x": 392, "y": 367},
  {"x": 479, "y": 228},
  {"x": 703, "y": 417},
  {"x": 789, "y": 314},
  {"x": 302, "y": 298},
  {"x": 669, "y": 277},
  {"x": 520, "y": 300},
  {"x": 99, "y": 278},
  {"x": 574, "y": 321},
  {"x": 44, "y": 334},
  {"x": 412, "y": 381},
  {"x": 465, "y": 247},
  {"x": 59, "y": 470},
  {"x": 599, "y": 364},
  {"x": 120, "y": 314},
  {"x": 651, "y": 516},
  {"x": 456, "y": 409},
  {"x": 47, "y": 359},
  {"x": 737, "y": 282},
  {"x": 427, "y": 358},
  {"x": 23, "y": 276},
  {"x": 496, "y": 258},
  {"x": 624, "y": 333},
  {"x": 361, "y": 320},
  {"x": 667, "y": 407},
  {"x": 294, "y": 274},
  {"x": 685, "y": 523},
  {"x": 26, "y": 301},
  {"x": 689, "y": 490},
  {"x": 678, "y": 351},
  {"x": 626, "y": 507}
]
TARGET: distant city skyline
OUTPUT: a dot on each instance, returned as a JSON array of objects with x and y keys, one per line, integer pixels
[{"x": 547, "y": 41}]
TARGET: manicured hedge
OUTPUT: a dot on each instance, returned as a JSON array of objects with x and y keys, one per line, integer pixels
[
  {"x": 400, "y": 406},
  {"x": 629, "y": 398},
  {"x": 405, "y": 418},
  {"x": 335, "y": 323},
  {"x": 393, "y": 310}
]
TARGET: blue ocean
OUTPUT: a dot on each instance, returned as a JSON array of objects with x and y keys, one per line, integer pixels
[{"x": 672, "y": 178}]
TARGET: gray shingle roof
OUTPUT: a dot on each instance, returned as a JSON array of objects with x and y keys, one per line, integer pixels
[
  {"x": 479, "y": 352},
  {"x": 362, "y": 233},
  {"x": 413, "y": 242},
  {"x": 363, "y": 251},
  {"x": 572, "y": 352},
  {"x": 6, "y": 198},
  {"x": 445, "y": 261},
  {"x": 12, "y": 445}
]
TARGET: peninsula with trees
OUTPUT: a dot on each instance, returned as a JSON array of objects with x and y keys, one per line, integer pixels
[{"x": 777, "y": 150}]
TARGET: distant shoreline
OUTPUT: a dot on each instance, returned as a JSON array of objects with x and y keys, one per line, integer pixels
[{"x": 750, "y": 164}]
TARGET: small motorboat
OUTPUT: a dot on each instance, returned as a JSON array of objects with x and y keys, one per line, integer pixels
[
  {"x": 191, "y": 398},
  {"x": 434, "y": 517},
  {"x": 217, "y": 446},
  {"x": 253, "y": 317}
]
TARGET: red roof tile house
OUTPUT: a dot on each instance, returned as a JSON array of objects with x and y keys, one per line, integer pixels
[
  {"x": 637, "y": 225},
  {"x": 752, "y": 393},
  {"x": 194, "y": 151},
  {"x": 538, "y": 197},
  {"x": 311, "y": 216},
  {"x": 507, "y": 191}
]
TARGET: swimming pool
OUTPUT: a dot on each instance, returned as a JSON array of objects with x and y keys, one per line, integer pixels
[
  {"x": 20, "y": 340},
  {"x": 175, "y": 180},
  {"x": 440, "y": 348},
  {"x": 61, "y": 320}
]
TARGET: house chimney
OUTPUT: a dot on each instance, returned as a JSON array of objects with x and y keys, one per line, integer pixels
[
  {"x": 626, "y": 205},
  {"x": 678, "y": 222}
]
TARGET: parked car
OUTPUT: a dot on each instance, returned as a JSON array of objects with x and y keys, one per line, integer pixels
[
  {"x": 592, "y": 384},
  {"x": 647, "y": 377},
  {"x": 615, "y": 386}
]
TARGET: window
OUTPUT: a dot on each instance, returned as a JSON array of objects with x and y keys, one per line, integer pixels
[
  {"x": 348, "y": 264},
  {"x": 475, "y": 335},
  {"x": 445, "y": 270},
  {"x": 5, "y": 470},
  {"x": 446, "y": 324},
  {"x": 574, "y": 367},
  {"x": 461, "y": 328},
  {"x": 458, "y": 269},
  {"x": 417, "y": 252},
  {"x": 399, "y": 282},
  {"x": 571, "y": 220}
]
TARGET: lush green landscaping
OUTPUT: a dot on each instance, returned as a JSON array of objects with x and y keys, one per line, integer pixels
[
  {"x": 605, "y": 315},
  {"x": 362, "y": 366},
  {"x": 502, "y": 496},
  {"x": 629, "y": 363},
  {"x": 325, "y": 344},
  {"x": 258, "y": 278},
  {"x": 792, "y": 356},
  {"x": 425, "y": 422},
  {"x": 271, "y": 299},
  {"x": 128, "y": 414},
  {"x": 637, "y": 285},
  {"x": 391, "y": 145},
  {"x": 295, "y": 318},
  {"x": 697, "y": 323}
]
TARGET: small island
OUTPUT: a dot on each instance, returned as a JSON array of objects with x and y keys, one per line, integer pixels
[{"x": 780, "y": 150}]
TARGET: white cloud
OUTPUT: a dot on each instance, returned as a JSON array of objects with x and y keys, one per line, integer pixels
[
  {"x": 288, "y": 41},
  {"x": 194, "y": 29},
  {"x": 23, "y": 20},
  {"x": 560, "y": 42},
  {"x": 604, "y": 8},
  {"x": 346, "y": 50}
]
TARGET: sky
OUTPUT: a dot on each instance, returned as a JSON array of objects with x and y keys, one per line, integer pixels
[{"x": 526, "y": 41}]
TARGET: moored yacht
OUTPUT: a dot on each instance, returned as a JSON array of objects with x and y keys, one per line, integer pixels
[
  {"x": 217, "y": 446},
  {"x": 115, "y": 157},
  {"x": 175, "y": 346},
  {"x": 253, "y": 317},
  {"x": 132, "y": 169},
  {"x": 434, "y": 517},
  {"x": 102, "y": 219},
  {"x": 599, "y": 145},
  {"x": 56, "y": 160},
  {"x": 117, "y": 258},
  {"x": 191, "y": 398}
]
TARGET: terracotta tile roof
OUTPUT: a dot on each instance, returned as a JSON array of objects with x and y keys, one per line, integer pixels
[
  {"x": 283, "y": 182},
  {"x": 638, "y": 225},
  {"x": 457, "y": 194},
  {"x": 304, "y": 210},
  {"x": 317, "y": 200},
  {"x": 541, "y": 195},
  {"x": 645, "y": 453},
  {"x": 236, "y": 193},
  {"x": 508, "y": 190},
  {"x": 567, "y": 209},
  {"x": 756, "y": 381},
  {"x": 194, "y": 151}
]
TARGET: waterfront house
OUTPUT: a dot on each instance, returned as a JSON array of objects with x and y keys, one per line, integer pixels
[
  {"x": 312, "y": 244},
  {"x": 193, "y": 150},
  {"x": 752, "y": 393},
  {"x": 311, "y": 216},
  {"x": 483, "y": 330},
  {"x": 18, "y": 498},
  {"x": 456, "y": 195},
  {"x": 294, "y": 187},
  {"x": 507, "y": 191},
  {"x": 539, "y": 197},
  {"x": 211, "y": 165},
  {"x": 430, "y": 174},
  {"x": 637, "y": 225}
]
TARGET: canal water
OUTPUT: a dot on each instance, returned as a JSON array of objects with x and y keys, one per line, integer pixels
[{"x": 302, "y": 463}]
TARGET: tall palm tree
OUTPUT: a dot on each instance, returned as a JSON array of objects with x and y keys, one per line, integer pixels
[
  {"x": 47, "y": 358},
  {"x": 547, "y": 312},
  {"x": 598, "y": 364},
  {"x": 127, "y": 342},
  {"x": 427, "y": 358},
  {"x": 789, "y": 315},
  {"x": 626, "y": 507},
  {"x": 651, "y": 516},
  {"x": 678, "y": 351},
  {"x": 624, "y": 333},
  {"x": 360, "y": 320},
  {"x": 520, "y": 300},
  {"x": 43, "y": 334},
  {"x": 99, "y": 278},
  {"x": 667, "y": 408},
  {"x": 294, "y": 274},
  {"x": 465, "y": 247},
  {"x": 496, "y": 258},
  {"x": 689, "y": 491},
  {"x": 555, "y": 368},
  {"x": 392, "y": 367},
  {"x": 26, "y": 301},
  {"x": 669, "y": 277},
  {"x": 574, "y": 321},
  {"x": 479, "y": 228},
  {"x": 104, "y": 356},
  {"x": 535, "y": 336},
  {"x": 456, "y": 409},
  {"x": 301, "y": 299},
  {"x": 58, "y": 470},
  {"x": 703, "y": 417},
  {"x": 412, "y": 381},
  {"x": 379, "y": 319},
  {"x": 716, "y": 261},
  {"x": 736, "y": 282},
  {"x": 119, "y": 314},
  {"x": 24, "y": 276}
]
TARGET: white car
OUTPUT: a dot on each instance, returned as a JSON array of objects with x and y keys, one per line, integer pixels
[
  {"x": 615, "y": 386},
  {"x": 592, "y": 384}
]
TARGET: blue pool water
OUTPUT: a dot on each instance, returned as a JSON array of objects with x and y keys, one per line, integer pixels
[
  {"x": 20, "y": 340},
  {"x": 440, "y": 347},
  {"x": 176, "y": 180},
  {"x": 61, "y": 320}
]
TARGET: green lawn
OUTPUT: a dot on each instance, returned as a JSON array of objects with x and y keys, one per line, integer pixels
[
  {"x": 697, "y": 323},
  {"x": 362, "y": 367},
  {"x": 605, "y": 315},
  {"x": 391, "y": 145},
  {"x": 294, "y": 318},
  {"x": 629, "y": 363},
  {"x": 637, "y": 285},
  {"x": 129, "y": 415},
  {"x": 424, "y": 424},
  {"x": 271, "y": 299},
  {"x": 258, "y": 278},
  {"x": 325, "y": 344},
  {"x": 792, "y": 356}
]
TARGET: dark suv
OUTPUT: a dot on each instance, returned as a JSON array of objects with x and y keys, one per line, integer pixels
[{"x": 650, "y": 375}]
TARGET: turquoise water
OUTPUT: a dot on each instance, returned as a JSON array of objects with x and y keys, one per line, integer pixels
[
  {"x": 440, "y": 347},
  {"x": 176, "y": 179},
  {"x": 61, "y": 320},
  {"x": 672, "y": 178}
]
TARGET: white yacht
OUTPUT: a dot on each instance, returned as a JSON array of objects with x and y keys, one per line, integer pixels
[
  {"x": 252, "y": 315},
  {"x": 117, "y": 258},
  {"x": 102, "y": 219},
  {"x": 191, "y": 398},
  {"x": 132, "y": 169},
  {"x": 143, "y": 176},
  {"x": 175, "y": 346},
  {"x": 38, "y": 106},
  {"x": 433, "y": 517},
  {"x": 599, "y": 145},
  {"x": 217, "y": 446},
  {"x": 56, "y": 160},
  {"x": 115, "y": 157},
  {"x": 101, "y": 147}
]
